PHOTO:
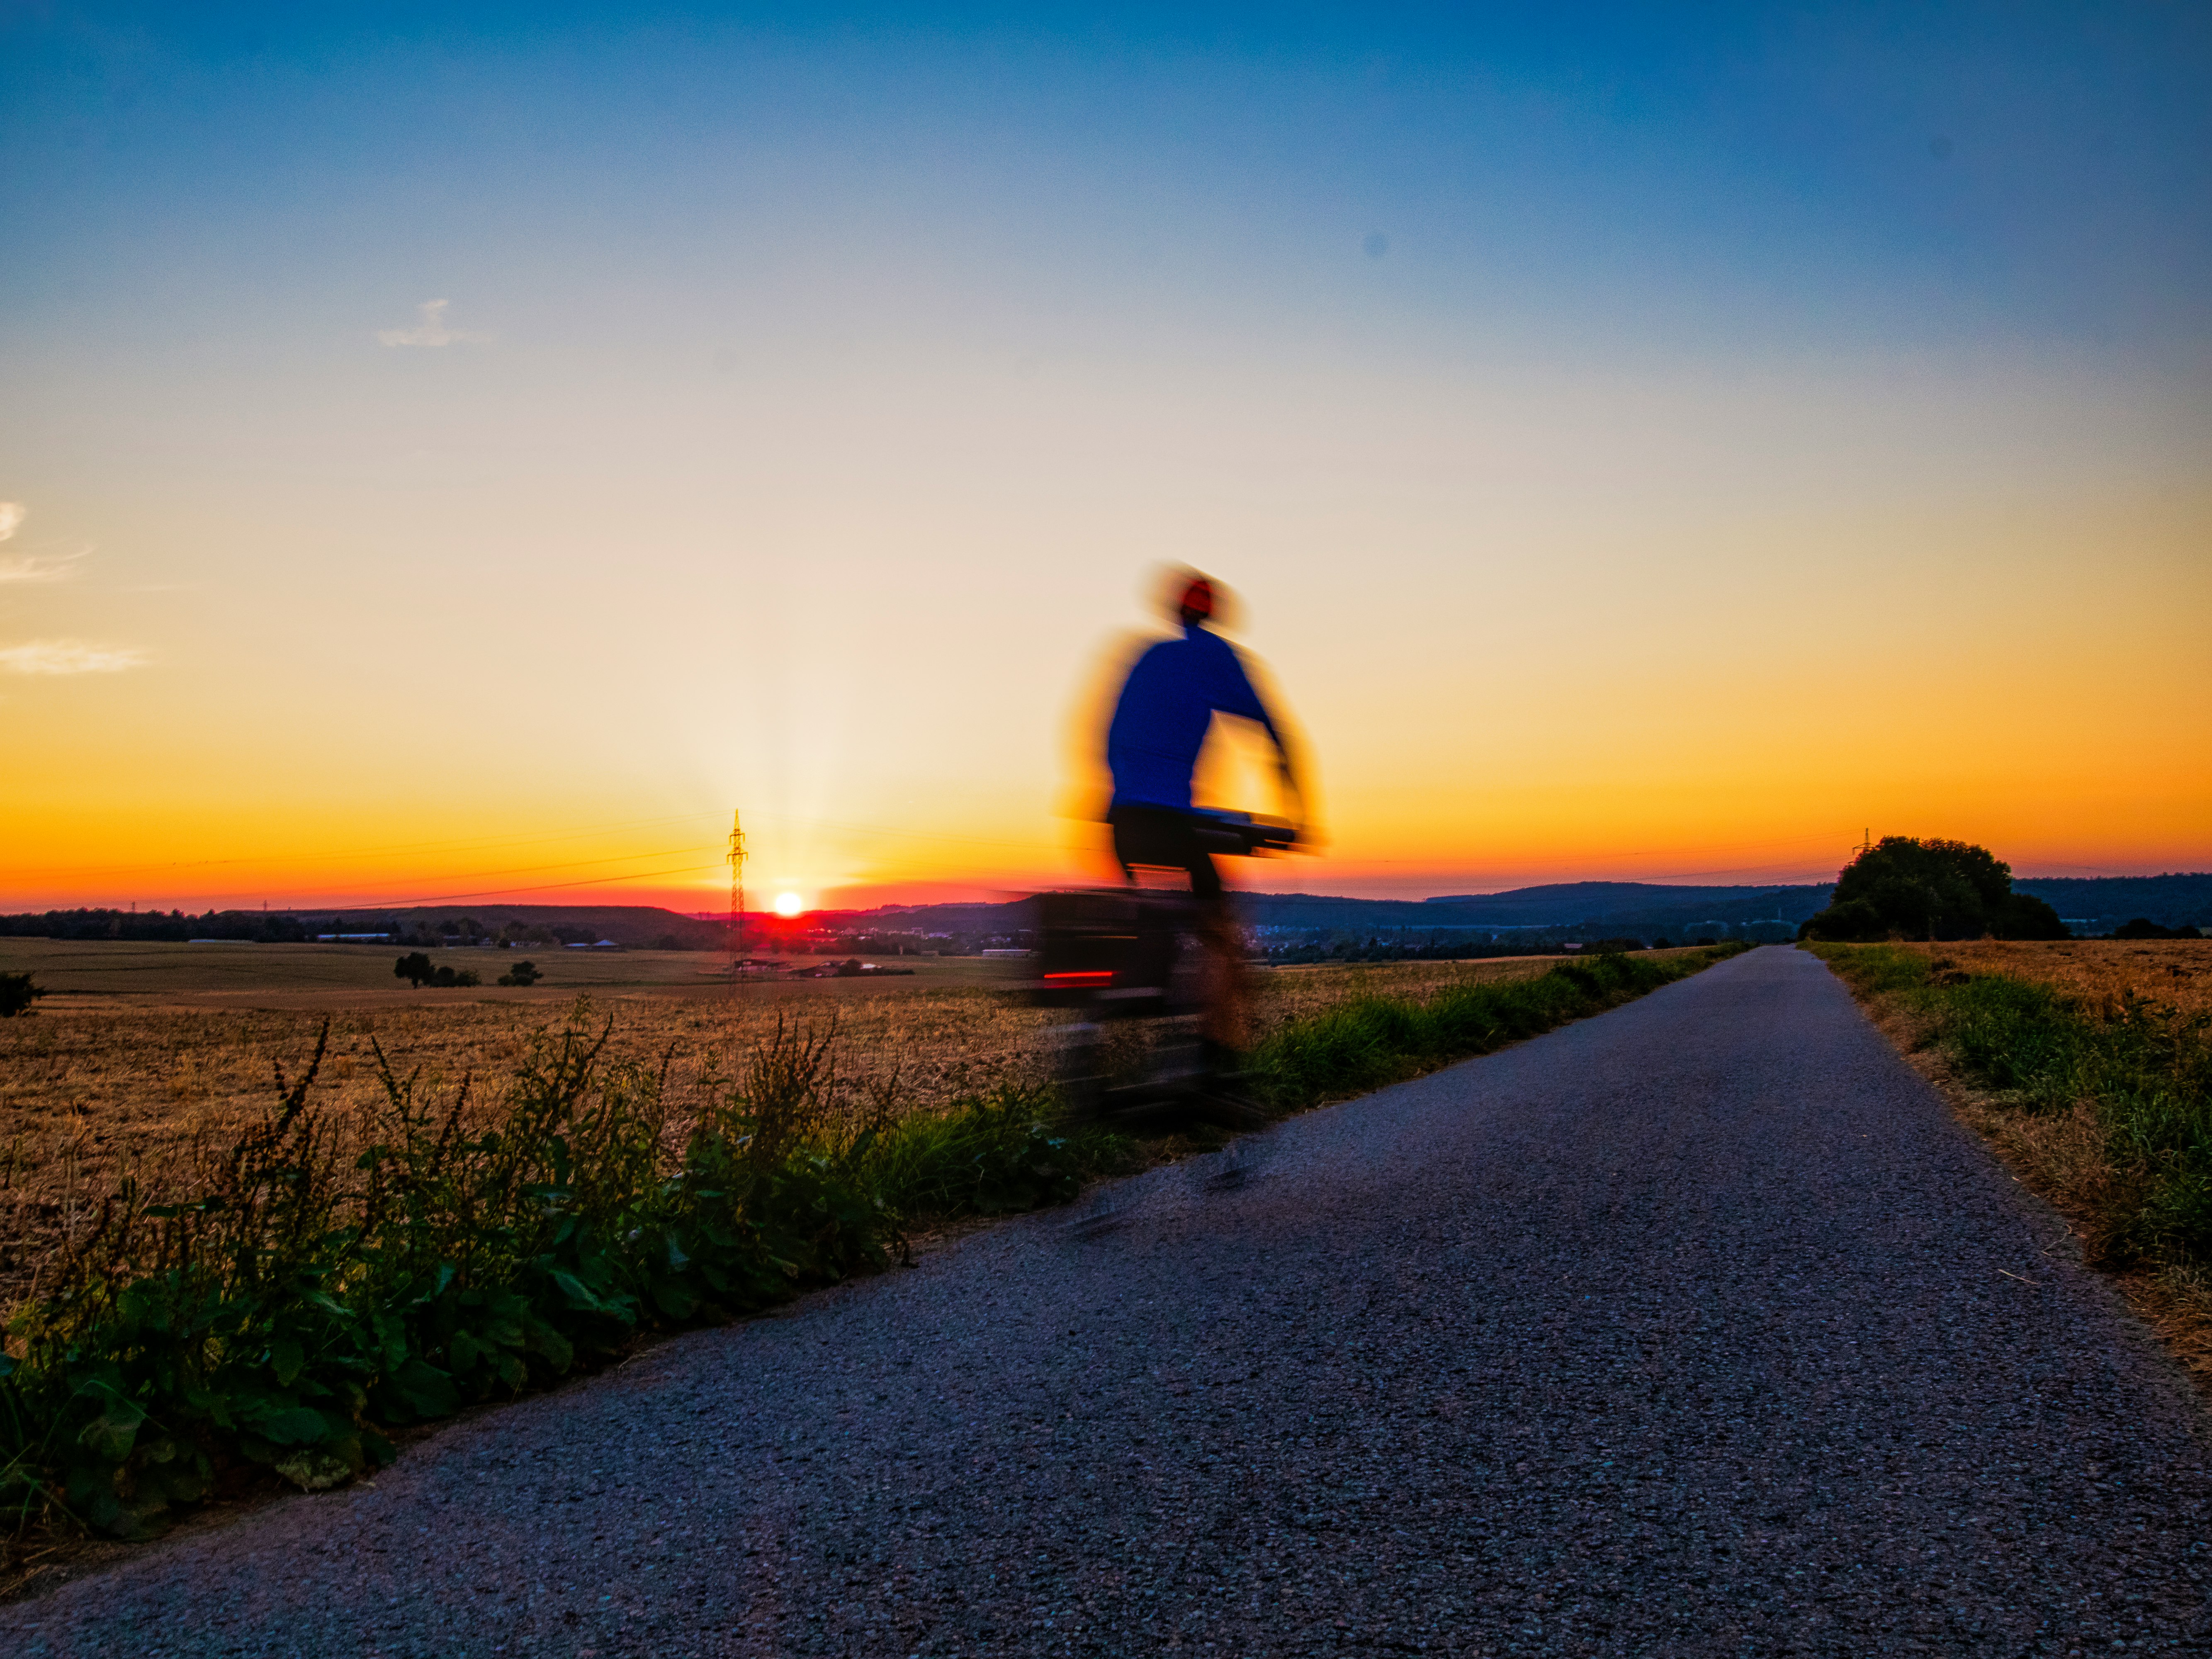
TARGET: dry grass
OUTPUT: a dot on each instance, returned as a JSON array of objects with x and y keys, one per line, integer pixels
[
  {"x": 2098, "y": 971},
  {"x": 104, "y": 1087},
  {"x": 2062, "y": 1157}
]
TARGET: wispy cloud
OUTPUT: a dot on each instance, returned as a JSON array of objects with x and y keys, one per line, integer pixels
[
  {"x": 69, "y": 657},
  {"x": 29, "y": 569},
  {"x": 431, "y": 330}
]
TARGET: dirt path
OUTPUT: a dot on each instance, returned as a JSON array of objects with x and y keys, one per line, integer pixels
[{"x": 1696, "y": 1328}]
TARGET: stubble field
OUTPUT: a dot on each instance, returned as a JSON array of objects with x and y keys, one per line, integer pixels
[{"x": 2099, "y": 973}]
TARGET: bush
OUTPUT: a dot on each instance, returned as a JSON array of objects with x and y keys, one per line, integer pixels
[
  {"x": 17, "y": 993},
  {"x": 2144, "y": 927},
  {"x": 523, "y": 973},
  {"x": 415, "y": 967}
]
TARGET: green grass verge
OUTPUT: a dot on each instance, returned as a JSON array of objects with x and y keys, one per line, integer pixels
[
  {"x": 2143, "y": 1078},
  {"x": 319, "y": 1282},
  {"x": 1374, "y": 1041}
]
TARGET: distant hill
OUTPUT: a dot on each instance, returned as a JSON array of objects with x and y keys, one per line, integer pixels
[
  {"x": 635, "y": 924},
  {"x": 2091, "y": 905},
  {"x": 1624, "y": 907},
  {"x": 1578, "y": 902},
  {"x": 2105, "y": 902}
]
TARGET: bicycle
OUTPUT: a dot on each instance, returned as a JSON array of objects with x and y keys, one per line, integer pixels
[{"x": 1110, "y": 955}]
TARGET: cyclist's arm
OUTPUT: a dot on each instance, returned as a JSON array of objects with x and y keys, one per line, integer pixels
[{"x": 1238, "y": 696}]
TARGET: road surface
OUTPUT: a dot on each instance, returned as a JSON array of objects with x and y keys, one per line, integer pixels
[{"x": 1696, "y": 1328}]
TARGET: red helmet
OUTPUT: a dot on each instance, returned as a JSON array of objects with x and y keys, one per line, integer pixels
[{"x": 1197, "y": 598}]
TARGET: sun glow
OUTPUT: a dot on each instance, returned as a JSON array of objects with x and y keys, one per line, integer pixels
[{"x": 788, "y": 904}]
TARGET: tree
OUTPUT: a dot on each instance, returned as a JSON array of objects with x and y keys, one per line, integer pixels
[
  {"x": 523, "y": 973},
  {"x": 2025, "y": 916},
  {"x": 1905, "y": 887},
  {"x": 414, "y": 968}
]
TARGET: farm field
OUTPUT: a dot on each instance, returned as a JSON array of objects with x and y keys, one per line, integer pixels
[
  {"x": 2097, "y": 971},
  {"x": 99, "y": 1084},
  {"x": 98, "y": 973}
]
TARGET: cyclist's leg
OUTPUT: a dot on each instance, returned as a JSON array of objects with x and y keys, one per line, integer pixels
[{"x": 1227, "y": 1022}]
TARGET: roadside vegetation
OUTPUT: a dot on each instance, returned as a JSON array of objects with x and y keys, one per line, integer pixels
[
  {"x": 1368, "y": 1041},
  {"x": 297, "y": 1289},
  {"x": 2090, "y": 1067}
]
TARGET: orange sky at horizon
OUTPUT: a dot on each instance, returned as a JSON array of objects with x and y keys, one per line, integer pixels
[{"x": 2065, "y": 729}]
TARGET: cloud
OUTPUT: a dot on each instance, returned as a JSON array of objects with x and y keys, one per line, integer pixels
[
  {"x": 11, "y": 514},
  {"x": 29, "y": 569},
  {"x": 69, "y": 657},
  {"x": 430, "y": 331}
]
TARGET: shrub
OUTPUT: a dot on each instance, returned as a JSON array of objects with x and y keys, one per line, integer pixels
[
  {"x": 2144, "y": 927},
  {"x": 17, "y": 993},
  {"x": 523, "y": 973}
]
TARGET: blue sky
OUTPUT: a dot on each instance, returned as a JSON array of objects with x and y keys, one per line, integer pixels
[
  {"x": 779, "y": 361},
  {"x": 1752, "y": 176}
]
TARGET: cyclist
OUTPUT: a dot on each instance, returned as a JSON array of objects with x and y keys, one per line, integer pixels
[{"x": 1159, "y": 725}]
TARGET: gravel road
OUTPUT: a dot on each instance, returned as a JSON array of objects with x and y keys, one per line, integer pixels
[{"x": 1695, "y": 1329}]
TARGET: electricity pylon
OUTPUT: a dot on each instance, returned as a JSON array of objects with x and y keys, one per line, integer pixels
[{"x": 737, "y": 857}]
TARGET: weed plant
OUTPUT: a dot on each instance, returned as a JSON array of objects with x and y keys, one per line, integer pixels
[
  {"x": 321, "y": 1280},
  {"x": 2138, "y": 1069},
  {"x": 326, "y": 1276}
]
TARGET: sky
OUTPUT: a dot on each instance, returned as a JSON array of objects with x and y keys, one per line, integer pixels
[{"x": 462, "y": 453}]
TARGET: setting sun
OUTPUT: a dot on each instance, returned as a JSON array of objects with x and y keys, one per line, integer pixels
[{"x": 788, "y": 904}]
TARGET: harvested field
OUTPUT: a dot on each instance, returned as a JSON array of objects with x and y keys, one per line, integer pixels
[
  {"x": 94, "y": 1087},
  {"x": 2097, "y": 971}
]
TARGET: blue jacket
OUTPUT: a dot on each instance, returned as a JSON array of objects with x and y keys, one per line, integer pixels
[{"x": 1160, "y": 724}]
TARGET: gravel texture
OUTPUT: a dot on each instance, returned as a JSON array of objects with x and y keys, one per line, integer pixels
[{"x": 1695, "y": 1329}]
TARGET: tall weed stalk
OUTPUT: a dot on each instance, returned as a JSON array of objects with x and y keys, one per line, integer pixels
[{"x": 326, "y": 1276}]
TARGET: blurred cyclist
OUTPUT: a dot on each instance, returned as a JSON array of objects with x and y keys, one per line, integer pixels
[{"x": 1159, "y": 725}]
